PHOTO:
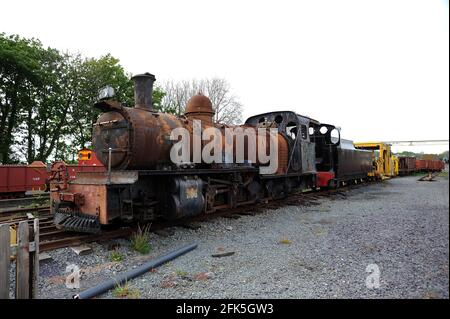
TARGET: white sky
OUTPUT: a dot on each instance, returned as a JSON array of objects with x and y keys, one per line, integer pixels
[{"x": 377, "y": 69}]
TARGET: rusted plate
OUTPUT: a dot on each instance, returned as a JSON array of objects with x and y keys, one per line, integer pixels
[{"x": 100, "y": 178}]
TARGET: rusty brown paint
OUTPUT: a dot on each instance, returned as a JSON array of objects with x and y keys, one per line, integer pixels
[
  {"x": 95, "y": 200},
  {"x": 283, "y": 154},
  {"x": 199, "y": 107},
  {"x": 140, "y": 139},
  {"x": 76, "y": 198}
]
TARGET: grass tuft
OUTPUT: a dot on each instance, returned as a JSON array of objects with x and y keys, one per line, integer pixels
[
  {"x": 140, "y": 238},
  {"x": 285, "y": 242},
  {"x": 124, "y": 291},
  {"x": 181, "y": 273},
  {"x": 115, "y": 255}
]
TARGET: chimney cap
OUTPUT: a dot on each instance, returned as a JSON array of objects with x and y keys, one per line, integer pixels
[
  {"x": 143, "y": 90},
  {"x": 199, "y": 104},
  {"x": 141, "y": 75}
]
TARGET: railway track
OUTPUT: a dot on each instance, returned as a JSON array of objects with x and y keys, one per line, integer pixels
[
  {"x": 53, "y": 238},
  {"x": 23, "y": 202}
]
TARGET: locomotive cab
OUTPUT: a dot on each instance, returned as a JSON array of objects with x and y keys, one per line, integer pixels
[
  {"x": 326, "y": 138},
  {"x": 337, "y": 160},
  {"x": 294, "y": 128}
]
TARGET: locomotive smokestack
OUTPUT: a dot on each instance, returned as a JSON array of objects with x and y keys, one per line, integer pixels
[{"x": 143, "y": 89}]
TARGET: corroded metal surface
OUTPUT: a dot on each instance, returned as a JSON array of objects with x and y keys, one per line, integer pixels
[
  {"x": 406, "y": 165},
  {"x": 200, "y": 107},
  {"x": 143, "y": 88},
  {"x": 142, "y": 140}
]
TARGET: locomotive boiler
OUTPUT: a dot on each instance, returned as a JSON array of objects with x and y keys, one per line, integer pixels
[
  {"x": 140, "y": 139},
  {"x": 143, "y": 182}
]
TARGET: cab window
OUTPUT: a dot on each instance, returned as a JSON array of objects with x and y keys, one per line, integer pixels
[{"x": 291, "y": 130}]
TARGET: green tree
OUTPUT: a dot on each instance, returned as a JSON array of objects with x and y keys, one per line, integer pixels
[
  {"x": 95, "y": 74},
  {"x": 50, "y": 108},
  {"x": 92, "y": 75},
  {"x": 47, "y": 99},
  {"x": 20, "y": 70}
]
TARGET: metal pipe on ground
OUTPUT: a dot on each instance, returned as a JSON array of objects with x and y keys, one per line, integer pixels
[{"x": 109, "y": 284}]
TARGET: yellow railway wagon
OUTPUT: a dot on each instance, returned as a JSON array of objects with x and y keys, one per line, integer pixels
[{"x": 383, "y": 160}]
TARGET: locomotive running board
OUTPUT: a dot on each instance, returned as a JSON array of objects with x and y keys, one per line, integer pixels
[{"x": 79, "y": 222}]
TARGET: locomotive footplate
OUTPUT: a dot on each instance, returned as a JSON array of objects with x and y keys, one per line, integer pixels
[{"x": 72, "y": 220}]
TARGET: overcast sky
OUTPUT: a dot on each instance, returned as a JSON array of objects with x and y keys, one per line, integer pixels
[{"x": 378, "y": 69}]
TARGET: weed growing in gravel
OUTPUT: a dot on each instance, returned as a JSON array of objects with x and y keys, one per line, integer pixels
[
  {"x": 139, "y": 239},
  {"x": 285, "y": 242},
  {"x": 124, "y": 291},
  {"x": 181, "y": 273},
  {"x": 115, "y": 255}
]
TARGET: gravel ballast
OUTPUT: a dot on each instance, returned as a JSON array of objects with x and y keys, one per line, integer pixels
[{"x": 399, "y": 227}]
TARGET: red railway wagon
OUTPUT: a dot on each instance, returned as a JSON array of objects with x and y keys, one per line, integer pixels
[
  {"x": 15, "y": 180},
  {"x": 421, "y": 165},
  {"x": 406, "y": 165},
  {"x": 435, "y": 165},
  {"x": 426, "y": 165},
  {"x": 432, "y": 165}
]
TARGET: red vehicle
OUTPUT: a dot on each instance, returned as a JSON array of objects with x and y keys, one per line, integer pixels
[
  {"x": 406, "y": 165},
  {"x": 16, "y": 180},
  {"x": 429, "y": 165},
  {"x": 436, "y": 165},
  {"x": 421, "y": 165}
]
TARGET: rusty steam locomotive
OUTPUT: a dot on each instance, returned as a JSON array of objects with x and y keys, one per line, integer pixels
[{"x": 143, "y": 183}]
